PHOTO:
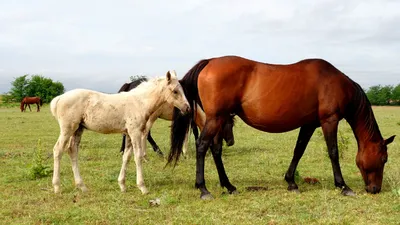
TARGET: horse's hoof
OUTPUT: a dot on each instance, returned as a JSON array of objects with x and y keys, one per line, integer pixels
[
  {"x": 159, "y": 153},
  {"x": 57, "y": 190},
  {"x": 296, "y": 191},
  {"x": 84, "y": 189},
  {"x": 348, "y": 192},
  {"x": 207, "y": 196},
  {"x": 234, "y": 192}
]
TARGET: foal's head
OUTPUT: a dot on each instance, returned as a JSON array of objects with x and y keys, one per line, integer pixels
[
  {"x": 175, "y": 94},
  {"x": 371, "y": 162}
]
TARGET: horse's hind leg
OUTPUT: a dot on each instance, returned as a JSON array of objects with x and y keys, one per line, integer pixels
[
  {"x": 211, "y": 128},
  {"x": 58, "y": 149},
  {"x": 125, "y": 161},
  {"x": 330, "y": 127},
  {"x": 154, "y": 145},
  {"x": 73, "y": 153},
  {"x": 216, "y": 150},
  {"x": 304, "y": 137}
]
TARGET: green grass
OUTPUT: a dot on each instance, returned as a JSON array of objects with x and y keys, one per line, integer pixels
[{"x": 257, "y": 159}]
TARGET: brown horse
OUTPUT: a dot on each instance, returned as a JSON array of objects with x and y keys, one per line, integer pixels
[
  {"x": 31, "y": 100},
  {"x": 314, "y": 93}
]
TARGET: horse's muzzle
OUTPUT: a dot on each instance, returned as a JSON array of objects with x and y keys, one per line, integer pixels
[
  {"x": 186, "y": 109},
  {"x": 373, "y": 189}
]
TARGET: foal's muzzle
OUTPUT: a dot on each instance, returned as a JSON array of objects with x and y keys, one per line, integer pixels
[{"x": 186, "y": 109}]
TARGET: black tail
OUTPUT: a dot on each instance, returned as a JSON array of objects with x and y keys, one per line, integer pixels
[{"x": 180, "y": 123}]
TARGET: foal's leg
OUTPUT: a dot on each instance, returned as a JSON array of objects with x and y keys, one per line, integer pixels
[
  {"x": 304, "y": 137},
  {"x": 73, "y": 153},
  {"x": 329, "y": 127},
  {"x": 58, "y": 149},
  {"x": 216, "y": 150},
  {"x": 185, "y": 144},
  {"x": 154, "y": 145},
  {"x": 139, "y": 152},
  {"x": 125, "y": 160},
  {"x": 212, "y": 126}
]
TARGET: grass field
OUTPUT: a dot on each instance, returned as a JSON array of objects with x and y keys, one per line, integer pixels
[{"x": 257, "y": 159}]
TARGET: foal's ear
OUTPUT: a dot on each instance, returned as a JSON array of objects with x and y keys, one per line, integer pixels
[
  {"x": 171, "y": 74},
  {"x": 389, "y": 140},
  {"x": 168, "y": 77}
]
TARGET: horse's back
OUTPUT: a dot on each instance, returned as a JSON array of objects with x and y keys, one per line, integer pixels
[{"x": 271, "y": 97}]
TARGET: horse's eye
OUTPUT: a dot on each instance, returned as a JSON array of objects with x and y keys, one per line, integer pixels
[{"x": 175, "y": 92}]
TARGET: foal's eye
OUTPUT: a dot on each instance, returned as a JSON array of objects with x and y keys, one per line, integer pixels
[{"x": 175, "y": 92}]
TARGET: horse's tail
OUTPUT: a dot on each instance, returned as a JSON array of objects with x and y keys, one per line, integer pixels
[
  {"x": 53, "y": 106},
  {"x": 180, "y": 123}
]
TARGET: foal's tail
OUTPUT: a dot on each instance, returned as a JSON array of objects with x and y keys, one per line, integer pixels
[
  {"x": 180, "y": 123},
  {"x": 53, "y": 106}
]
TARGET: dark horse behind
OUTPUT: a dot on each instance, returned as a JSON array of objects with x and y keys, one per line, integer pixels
[
  {"x": 314, "y": 93},
  {"x": 31, "y": 100}
]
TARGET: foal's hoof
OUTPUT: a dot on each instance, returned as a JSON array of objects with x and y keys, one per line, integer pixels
[
  {"x": 348, "y": 192},
  {"x": 207, "y": 196}
]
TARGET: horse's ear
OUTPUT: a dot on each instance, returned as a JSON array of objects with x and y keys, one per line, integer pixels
[
  {"x": 389, "y": 140},
  {"x": 168, "y": 77}
]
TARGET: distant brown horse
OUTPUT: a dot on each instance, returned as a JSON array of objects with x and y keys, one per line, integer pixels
[
  {"x": 278, "y": 98},
  {"x": 31, "y": 100}
]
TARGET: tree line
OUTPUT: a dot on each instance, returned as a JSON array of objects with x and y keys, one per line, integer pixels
[
  {"x": 384, "y": 95},
  {"x": 47, "y": 89},
  {"x": 37, "y": 85}
]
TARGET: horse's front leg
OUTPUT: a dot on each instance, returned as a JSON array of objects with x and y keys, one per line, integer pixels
[
  {"x": 29, "y": 107},
  {"x": 38, "y": 107},
  {"x": 125, "y": 160},
  {"x": 139, "y": 154},
  {"x": 329, "y": 128}
]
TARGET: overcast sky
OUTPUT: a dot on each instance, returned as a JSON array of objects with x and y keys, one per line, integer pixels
[{"x": 100, "y": 44}]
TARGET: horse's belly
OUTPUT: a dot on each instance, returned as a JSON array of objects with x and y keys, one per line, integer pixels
[{"x": 278, "y": 122}]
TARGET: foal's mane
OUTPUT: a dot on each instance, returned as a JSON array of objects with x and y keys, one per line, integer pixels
[
  {"x": 362, "y": 110},
  {"x": 148, "y": 86}
]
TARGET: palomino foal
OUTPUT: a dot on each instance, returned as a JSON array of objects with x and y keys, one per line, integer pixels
[{"x": 131, "y": 113}]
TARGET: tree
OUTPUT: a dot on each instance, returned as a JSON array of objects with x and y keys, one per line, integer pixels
[
  {"x": 379, "y": 95},
  {"x": 137, "y": 77},
  {"x": 38, "y": 85},
  {"x": 18, "y": 91},
  {"x": 396, "y": 95}
]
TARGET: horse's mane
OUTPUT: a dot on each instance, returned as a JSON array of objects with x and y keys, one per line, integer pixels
[
  {"x": 148, "y": 86},
  {"x": 362, "y": 110},
  {"x": 133, "y": 84}
]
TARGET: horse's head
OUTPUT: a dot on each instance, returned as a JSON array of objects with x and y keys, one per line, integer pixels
[
  {"x": 371, "y": 162},
  {"x": 176, "y": 96}
]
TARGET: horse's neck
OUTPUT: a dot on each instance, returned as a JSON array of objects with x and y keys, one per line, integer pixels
[
  {"x": 152, "y": 99},
  {"x": 364, "y": 126}
]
